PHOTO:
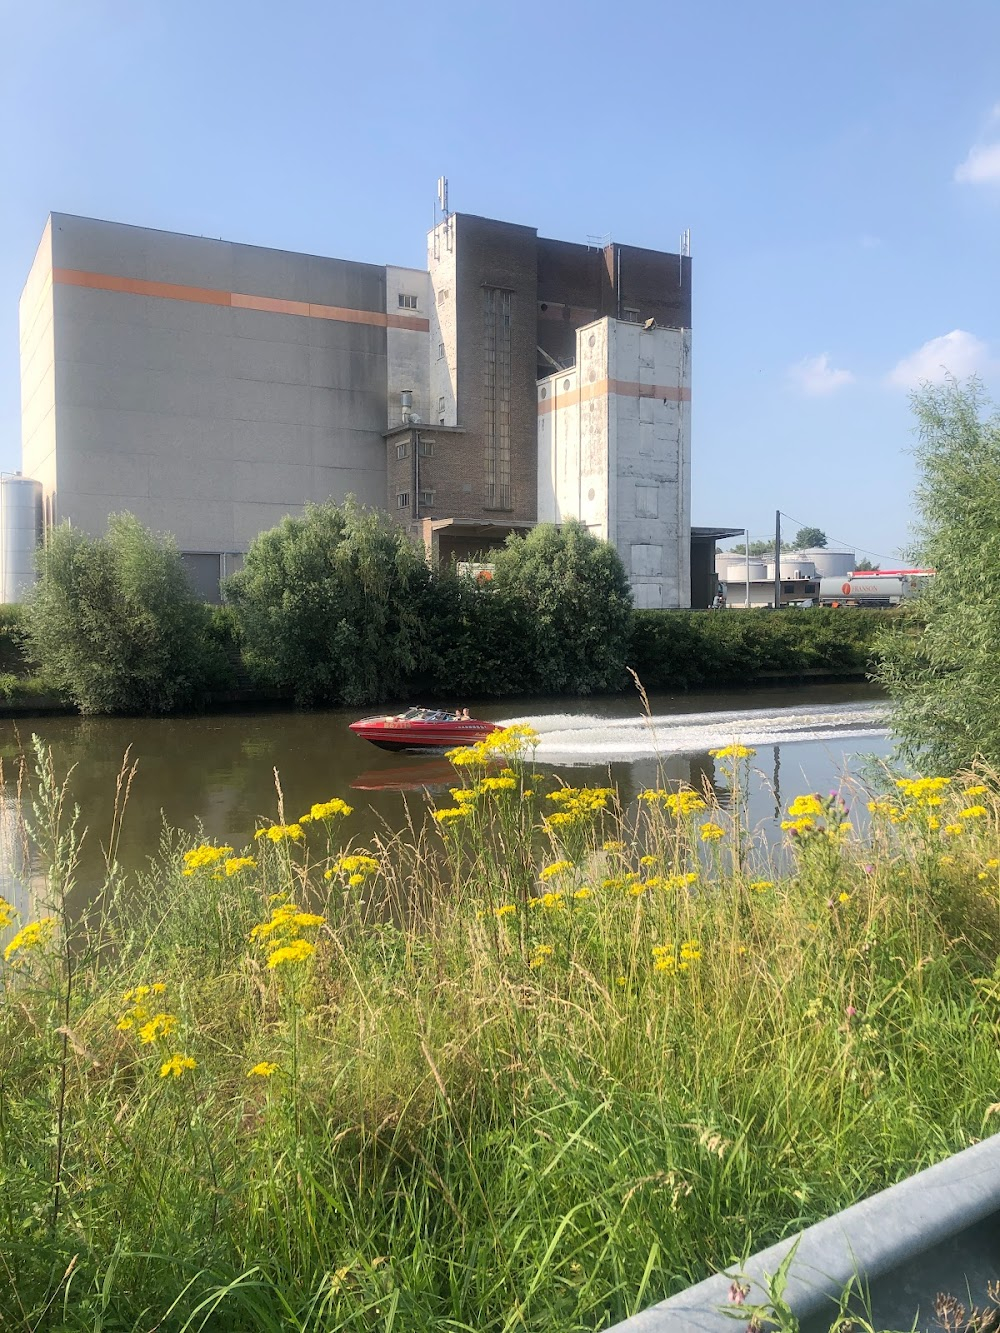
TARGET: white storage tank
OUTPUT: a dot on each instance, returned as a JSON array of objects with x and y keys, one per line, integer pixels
[
  {"x": 792, "y": 568},
  {"x": 20, "y": 534},
  {"x": 831, "y": 564}
]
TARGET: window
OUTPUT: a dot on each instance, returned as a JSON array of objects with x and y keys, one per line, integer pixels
[
  {"x": 425, "y": 448},
  {"x": 496, "y": 398},
  {"x": 407, "y": 302},
  {"x": 402, "y": 499},
  {"x": 646, "y": 501},
  {"x": 440, "y": 351},
  {"x": 402, "y": 449},
  {"x": 427, "y": 497},
  {"x": 630, "y": 315},
  {"x": 442, "y": 295},
  {"x": 441, "y": 403}
]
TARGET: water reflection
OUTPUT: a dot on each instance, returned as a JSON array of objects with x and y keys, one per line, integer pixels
[{"x": 217, "y": 774}]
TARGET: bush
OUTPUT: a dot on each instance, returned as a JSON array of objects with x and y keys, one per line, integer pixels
[
  {"x": 685, "y": 650},
  {"x": 114, "y": 625},
  {"x": 570, "y": 609},
  {"x": 942, "y": 669},
  {"x": 332, "y": 606}
]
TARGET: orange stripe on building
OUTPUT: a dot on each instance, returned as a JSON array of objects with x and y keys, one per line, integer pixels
[
  {"x": 171, "y": 291},
  {"x": 668, "y": 393}
]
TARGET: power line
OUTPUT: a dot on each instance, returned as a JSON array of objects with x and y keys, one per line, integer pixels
[{"x": 851, "y": 546}]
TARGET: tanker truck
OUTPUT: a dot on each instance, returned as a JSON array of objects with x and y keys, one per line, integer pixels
[{"x": 876, "y": 588}]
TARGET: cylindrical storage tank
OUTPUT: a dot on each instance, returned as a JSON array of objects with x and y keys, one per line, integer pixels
[
  {"x": 722, "y": 563},
  {"x": 831, "y": 564},
  {"x": 20, "y": 535},
  {"x": 792, "y": 568}
]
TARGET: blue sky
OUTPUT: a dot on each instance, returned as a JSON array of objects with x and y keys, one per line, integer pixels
[{"x": 838, "y": 165}]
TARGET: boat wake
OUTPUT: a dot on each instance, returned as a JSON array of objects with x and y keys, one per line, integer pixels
[{"x": 572, "y": 738}]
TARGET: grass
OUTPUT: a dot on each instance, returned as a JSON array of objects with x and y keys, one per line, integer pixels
[{"x": 498, "y": 1101}]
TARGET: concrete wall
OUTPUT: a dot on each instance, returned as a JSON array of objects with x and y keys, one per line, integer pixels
[
  {"x": 38, "y": 374},
  {"x": 210, "y": 388},
  {"x": 443, "y": 338},
  {"x": 614, "y": 451},
  {"x": 407, "y": 351}
]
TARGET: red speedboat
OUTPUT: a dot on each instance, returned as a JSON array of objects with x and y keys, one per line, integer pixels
[{"x": 422, "y": 729}]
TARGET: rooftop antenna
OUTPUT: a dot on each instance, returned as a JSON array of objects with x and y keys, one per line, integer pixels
[
  {"x": 442, "y": 199},
  {"x": 683, "y": 252}
]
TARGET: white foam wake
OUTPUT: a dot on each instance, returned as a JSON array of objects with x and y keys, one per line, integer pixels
[{"x": 572, "y": 738}]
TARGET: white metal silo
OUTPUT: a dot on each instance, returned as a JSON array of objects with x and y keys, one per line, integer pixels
[
  {"x": 831, "y": 564},
  {"x": 20, "y": 534}
]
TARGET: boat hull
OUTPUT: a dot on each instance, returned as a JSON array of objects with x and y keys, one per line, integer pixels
[{"x": 403, "y": 734}]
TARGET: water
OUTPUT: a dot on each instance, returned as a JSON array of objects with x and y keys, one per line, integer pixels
[{"x": 217, "y": 772}]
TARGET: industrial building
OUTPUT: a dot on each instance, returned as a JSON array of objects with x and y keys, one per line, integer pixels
[{"x": 211, "y": 388}]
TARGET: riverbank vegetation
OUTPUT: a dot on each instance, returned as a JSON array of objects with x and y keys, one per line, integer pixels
[
  {"x": 532, "y": 1063},
  {"x": 339, "y": 608},
  {"x": 941, "y": 664}
]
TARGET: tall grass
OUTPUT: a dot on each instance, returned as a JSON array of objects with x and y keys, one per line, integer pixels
[{"x": 532, "y": 1066}]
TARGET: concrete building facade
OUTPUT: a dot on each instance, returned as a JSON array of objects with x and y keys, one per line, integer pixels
[{"x": 211, "y": 388}]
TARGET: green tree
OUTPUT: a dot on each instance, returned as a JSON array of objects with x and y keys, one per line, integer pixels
[
  {"x": 808, "y": 538},
  {"x": 570, "y": 606},
  {"x": 866, "y": 565},
  {"x": 763, "y": 548},
  {"x": 333, "y": 606},
  {"x": 114, "y": 624},
  {"x": 942, "y": 668}
]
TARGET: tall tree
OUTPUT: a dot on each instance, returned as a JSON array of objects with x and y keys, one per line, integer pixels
[
  {"x": 572, "y": 599},
  {"x": 807, "y": 539},
  {"x": 331, "y": 605},
  {"x": 942, "y": 668},
  {"x": 114, "y": 624}
]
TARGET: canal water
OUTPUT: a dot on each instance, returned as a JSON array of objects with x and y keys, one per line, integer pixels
[{"x": 217, "y": 773}]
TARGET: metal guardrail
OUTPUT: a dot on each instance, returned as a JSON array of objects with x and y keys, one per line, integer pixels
[{"x": 869, "y": 1240}]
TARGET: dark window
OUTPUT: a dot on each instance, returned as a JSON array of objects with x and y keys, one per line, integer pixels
[
  {"x": 425, "y": 448},
  {"x": 402, "y": 450},
  {"x": 402, "y": 499},
  {"x": 427, "y": 497}
]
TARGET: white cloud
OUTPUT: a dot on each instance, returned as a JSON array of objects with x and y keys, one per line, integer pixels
[
  {"x": 981, "y": 167},
  {"x": 815, "y": 376},
  {"x": 957, "y": 353}
]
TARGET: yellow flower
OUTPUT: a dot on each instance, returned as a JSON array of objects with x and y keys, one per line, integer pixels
[
  {"x": 358, "y": 863},
  {"x": 464, "y": 795},
  {"x": 844, "y": 898},
  {"x": 160, "y": 1025},
  {"x": 976, "y": 791},
  {"x": 760, "y": 885},
  {"x": 953, "y": 830},
  {"x": 176, "y": 1065},
  {"x": 805, "y": 805},
  {"x": 353, "y": 880},
  {"x": 541, "y": 952},
  {"x": 198, "y": 858},
  {"x": 326, "y": 810},
  {"x": 801, "y": 825},
  {"x": 972, "y": 812},
  {"x": 647, "y": 860},
  {"x": 557, "y": 868},
  {"x": 237, "y": 863},
  {"x": 280, "y": 833},
  {"x": 690, "y": 951},
  {"x": 582, "y": 893},
  {"x": 612, "y": 846},
  {"x": 449, "y": 815},
  {"x": 946, "y": 860},
  {"x": 296, "y": 952},
  {"x": 550, "y": 901},
  {"x": 497, "y": 784},
  {"x": 33, "y": 936},
  {"x": 7, "y": 913},
  {"x": 263, "y": 1070},
  {"x": 505, "y": 910},
  {"x": 711, "y": 832},
  {"x": 733, "y": 752}
]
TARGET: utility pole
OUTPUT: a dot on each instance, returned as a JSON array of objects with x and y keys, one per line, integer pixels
[
  {"x": 777, "y": 559},
  {"x": 747, "y": 549}
]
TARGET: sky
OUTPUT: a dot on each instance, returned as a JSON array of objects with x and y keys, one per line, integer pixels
[{"x": 838, "y": 166}]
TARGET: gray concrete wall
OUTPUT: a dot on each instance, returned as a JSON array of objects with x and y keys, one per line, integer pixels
[{"x": 214, "y": 387}]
